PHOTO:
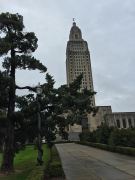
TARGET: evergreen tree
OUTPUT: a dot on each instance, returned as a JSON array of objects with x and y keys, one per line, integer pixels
[
  {"x": 59, "y": 108},
  {"x": 4, "y": 87},
  {"x": 76, "y": 103},
  {"x": 17, "y": 46}
]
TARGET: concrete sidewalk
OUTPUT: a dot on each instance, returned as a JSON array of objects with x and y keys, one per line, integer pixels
[{"x": 87, "y": 163}]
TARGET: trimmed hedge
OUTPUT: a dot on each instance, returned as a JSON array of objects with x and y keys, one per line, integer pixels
[
  {"x": 63, "y": 142},
  {"x": 122, "y": 150},
  {"x": 122, "y": 137},
  {"x": 110, "y": 136},
  {"x": 54, "y": 168}
]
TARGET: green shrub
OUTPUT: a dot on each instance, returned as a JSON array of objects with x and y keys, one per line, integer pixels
[
  {"x": 54, "y": 167},
  {"x": 111, "y": 136},
  {"x": 101, "y": 135},
  {"x": 87, "y": 136},
  {"x": 122, "y": 150},
  {"x": 62, "y": 142},
  {"x": 122, "y": 137}
]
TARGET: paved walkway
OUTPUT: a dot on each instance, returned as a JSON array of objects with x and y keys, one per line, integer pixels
[{"x": 87, "y": 163}]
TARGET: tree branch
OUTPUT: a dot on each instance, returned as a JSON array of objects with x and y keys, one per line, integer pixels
[
  {"x": 19, "y": 51},
  {"x": 26, "y": 87}
]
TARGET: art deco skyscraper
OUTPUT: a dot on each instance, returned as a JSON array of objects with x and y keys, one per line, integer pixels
[{"x": 78, "y": 60}]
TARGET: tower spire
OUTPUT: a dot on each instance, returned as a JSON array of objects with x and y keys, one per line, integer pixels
[{"x": 74, "y": 23}]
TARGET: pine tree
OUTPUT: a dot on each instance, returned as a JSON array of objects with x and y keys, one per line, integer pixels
[
  {"x": 17, "y": 46},
  {"x": 4, "y": 87}
]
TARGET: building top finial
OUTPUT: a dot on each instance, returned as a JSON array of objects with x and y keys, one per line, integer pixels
[{"x": 74, "y": 23}]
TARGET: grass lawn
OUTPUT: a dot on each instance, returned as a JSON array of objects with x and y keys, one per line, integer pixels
[{"x": 25, "y": 165}]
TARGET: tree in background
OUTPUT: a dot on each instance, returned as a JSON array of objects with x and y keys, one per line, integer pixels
[
  {"x": 16, "y": 46},
  {"x": 59, "y": 108}
]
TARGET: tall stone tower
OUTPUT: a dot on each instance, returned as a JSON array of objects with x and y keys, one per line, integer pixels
[{"x": 78, "y": 60}]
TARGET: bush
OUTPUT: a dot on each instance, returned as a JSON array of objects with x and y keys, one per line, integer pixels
[
  {"x": 123, "y": 137},
  {"x": 87, "y": 136},
  {"x": 54, "y": 167},
  {"x": 122, "y": 150},
  {"x": 111, "y": 136},
  {"x": 62, "y": 142},
  {"x": 101, "y": 135}
]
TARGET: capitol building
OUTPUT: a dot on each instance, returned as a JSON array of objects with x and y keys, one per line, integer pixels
[{"x": 78, "y": 61}]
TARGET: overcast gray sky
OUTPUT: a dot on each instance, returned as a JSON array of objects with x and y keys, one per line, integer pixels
[{"x": 109, "y": 28}]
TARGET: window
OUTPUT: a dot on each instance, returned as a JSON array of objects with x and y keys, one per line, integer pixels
[
  {"x": 124, "y": 123},
  {"x": 118, "y": 123},
  {"x": 130, "y": 122},
  {"x": 76, "y": 36}
]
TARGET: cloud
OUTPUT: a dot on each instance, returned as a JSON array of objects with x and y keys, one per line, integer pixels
[{"x": 109, "y": 28}]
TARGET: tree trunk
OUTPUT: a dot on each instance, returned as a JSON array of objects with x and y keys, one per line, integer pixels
[{"x": 8, "y": 154}]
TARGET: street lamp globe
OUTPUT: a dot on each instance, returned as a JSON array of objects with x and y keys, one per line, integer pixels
[{"x": 39, "y": 89}]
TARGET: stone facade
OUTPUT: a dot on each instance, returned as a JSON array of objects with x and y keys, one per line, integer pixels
[
  {"x": 112, "y": 119},
  {"x": 120, "y": 119},
  {"x": 78, "y": 60},
  {"x": 95, "y": 121}
]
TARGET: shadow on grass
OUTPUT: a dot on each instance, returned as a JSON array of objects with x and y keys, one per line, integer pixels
[{"x": 25, "y": 165}]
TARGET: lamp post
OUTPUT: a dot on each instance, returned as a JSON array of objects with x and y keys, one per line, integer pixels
[{"x": 39, "y": 142}]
